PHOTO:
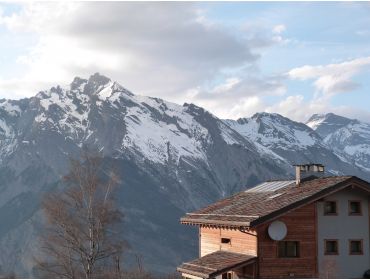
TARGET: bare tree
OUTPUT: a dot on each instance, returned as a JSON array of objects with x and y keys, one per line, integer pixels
[{"x": 81, "y": 239}]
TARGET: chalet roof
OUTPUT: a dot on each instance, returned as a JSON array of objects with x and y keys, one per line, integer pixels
[
  {"x": 215, "y": 264},
  {"x": 268, "y": 200}
]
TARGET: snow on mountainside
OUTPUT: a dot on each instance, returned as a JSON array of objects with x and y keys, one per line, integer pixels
[
  {"x": 172, "y": 159},
  {"x": 291, "y": 142},
  {"x": 349, "y": 138},
  {"x": 325, "y": 124},
  {"x": 275, "y": 131}
]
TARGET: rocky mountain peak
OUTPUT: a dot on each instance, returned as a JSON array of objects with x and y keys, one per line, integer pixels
[
  {"x": 325, "y": 124},
  {"x": 77, "y": 83},
  {"x": 95, "y": 83},
  {"x": 260, "y": 115}
]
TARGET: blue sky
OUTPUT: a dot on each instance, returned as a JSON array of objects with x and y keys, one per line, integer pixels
[{"x": 233, "y": 58}]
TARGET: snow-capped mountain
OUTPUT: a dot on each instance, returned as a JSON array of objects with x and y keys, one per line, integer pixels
[
  {"x": 349, "y": 138},
  {"x": 325, "y": 124},
  {"x": 292, "y": 142},
  {"x": 171, "y": 158}
]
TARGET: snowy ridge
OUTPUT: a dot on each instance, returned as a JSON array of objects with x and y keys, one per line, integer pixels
[
  {"x": 287, "y": 142},
  {"x": 176, "y": 134},
  {"x": 275, "y": 131},
  {"x": 353, "y": 143},
  {"x": 315, "y": 121},
  {"x": 158, "y": 130}
]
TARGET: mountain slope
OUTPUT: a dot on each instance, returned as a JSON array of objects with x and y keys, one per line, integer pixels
[
  {"x": 325, "y": 124},
  {"x": 292, "y": 142},
  {"x": 349, "y": 138},
  {"x": 171, "y": 158}
]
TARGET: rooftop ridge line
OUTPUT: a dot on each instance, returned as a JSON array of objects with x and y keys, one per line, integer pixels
[{"x": 225, "y": 215}]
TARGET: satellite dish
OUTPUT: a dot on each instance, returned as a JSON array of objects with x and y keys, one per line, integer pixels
[{"x": 277, "y": 230}]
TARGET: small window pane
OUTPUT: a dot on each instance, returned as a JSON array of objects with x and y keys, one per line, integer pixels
[
  {"x": 330, "y": 207},
  {"x": 355, "y": 247},
  {"x": 288, "y": 249},
  {"x": 331, "y": 247},
  {"x": 354, "y": 207},
  {"x": 225, "y": 240}
]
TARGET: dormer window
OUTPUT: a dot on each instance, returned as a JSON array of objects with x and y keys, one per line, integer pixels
[
  {"x": 354, "y": 208},
  {"x": 330, "y": 208}
]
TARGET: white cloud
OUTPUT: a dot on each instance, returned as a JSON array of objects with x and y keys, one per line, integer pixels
[
  {"x": 161, "y": 49},
  {"x": 238, "y": 97},
  {"x": 278, "y": 29},
  {"x": 228, "y": 85},
  {"x": 332, "y": 78},
  {"x": 167, "y": 50},
  {"x": 297, "y": 108},
  {"x": 262, "y": 35}
]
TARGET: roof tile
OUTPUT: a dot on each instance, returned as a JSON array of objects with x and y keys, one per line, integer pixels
[{"x": 245, "y": 207}]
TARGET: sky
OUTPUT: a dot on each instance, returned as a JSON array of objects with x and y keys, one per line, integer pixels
[{"x": 232, "y": 58}]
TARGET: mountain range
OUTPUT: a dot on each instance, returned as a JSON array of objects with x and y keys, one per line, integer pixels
[{"x": 171, "y": 159}]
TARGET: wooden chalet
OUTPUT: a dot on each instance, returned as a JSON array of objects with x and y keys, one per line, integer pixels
[{"x": 316, "y": 227}]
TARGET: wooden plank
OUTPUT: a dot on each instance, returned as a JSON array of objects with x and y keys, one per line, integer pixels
[
  {"x": 240, "y": 242},
  {"x": 301, "y": 225}
]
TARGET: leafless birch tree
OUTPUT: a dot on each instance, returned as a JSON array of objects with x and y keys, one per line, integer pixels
[{"x": 81, "y": 239}]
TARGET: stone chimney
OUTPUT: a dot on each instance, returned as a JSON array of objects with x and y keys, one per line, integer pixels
[{"x": 303, "y": 171}]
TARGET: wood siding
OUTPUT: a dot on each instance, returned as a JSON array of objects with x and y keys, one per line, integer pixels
[
  {"x": 210, "y": 241},
  {"x": 301, "y": 225}
]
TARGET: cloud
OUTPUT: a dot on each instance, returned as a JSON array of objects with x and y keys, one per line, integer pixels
[
  {"x": 261, "y": 35},
  {"x": 278, "y": 29},
  {"x": 171, "y": 50},
  {"x": 158, "y": 49},
  {"x": 229, "y": 84},
  {"x": 299, "y": 108},
  {"x": 332, "y": 79},
  {"x": 239, "y": 96}
]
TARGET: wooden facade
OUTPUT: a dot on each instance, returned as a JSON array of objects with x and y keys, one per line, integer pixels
[
  {"x": 301, "y": 224},
  {"x": 240, "y": 242},
  {"x": 302, "y": 227}
]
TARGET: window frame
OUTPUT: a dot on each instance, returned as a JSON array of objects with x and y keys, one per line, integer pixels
[
  {"x": 349, "y": 208},
  {"x": 326, "y": 253},
  {"x": 336, "y": 208},
  {"x": 361, "y": 246},
  {"x": 289, "y": 257}
]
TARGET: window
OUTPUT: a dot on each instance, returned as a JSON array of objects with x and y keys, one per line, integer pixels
[
  {"x": 330, "y": 208},
  {"x": 354, "y": 208},
  {"x": 225, "y": 240},
  {"x": 355, "y": 247},
  {"x": 288, "y": 249},
  {"x": 331, "y": 247},
  {"x": 227, "y": 275}
]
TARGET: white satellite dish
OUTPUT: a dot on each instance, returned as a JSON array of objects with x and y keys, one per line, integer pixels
[{"x": 277, "y": 230}]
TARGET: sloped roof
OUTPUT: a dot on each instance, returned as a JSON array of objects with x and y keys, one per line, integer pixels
[
  {"x": 268, "y": 200},
  {"x": 215, "y": 264}
]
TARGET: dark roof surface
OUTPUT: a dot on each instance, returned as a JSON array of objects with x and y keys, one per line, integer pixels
[
  {"x": 254, "y": 206},
  {"x": 215, "y": 263}
]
